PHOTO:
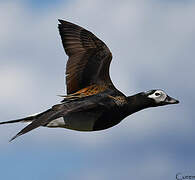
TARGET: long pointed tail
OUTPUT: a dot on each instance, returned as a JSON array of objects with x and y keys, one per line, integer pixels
[
  {"x": 27, "y": 119},
  {"x": 39, "y": 119}
]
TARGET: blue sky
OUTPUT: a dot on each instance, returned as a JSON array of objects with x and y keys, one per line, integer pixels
[{"x": 152, "y": 43}]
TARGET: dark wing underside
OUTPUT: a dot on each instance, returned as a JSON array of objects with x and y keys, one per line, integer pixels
[{"x": 89, "y": 58}]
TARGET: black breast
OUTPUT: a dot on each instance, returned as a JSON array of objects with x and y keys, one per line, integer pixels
[{"x": 109, "y": 118}]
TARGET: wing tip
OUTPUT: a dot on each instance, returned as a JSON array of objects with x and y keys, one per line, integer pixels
[{"x": 61, "y": 21}]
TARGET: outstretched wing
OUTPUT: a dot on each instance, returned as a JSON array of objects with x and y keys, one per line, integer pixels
[{"x": 89, "y": 58}]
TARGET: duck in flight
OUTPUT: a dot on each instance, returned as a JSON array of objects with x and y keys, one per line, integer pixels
[{"x": 92, "y": 102}]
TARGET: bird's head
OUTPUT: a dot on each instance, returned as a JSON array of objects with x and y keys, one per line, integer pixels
[{"x": 159, "y": 98}]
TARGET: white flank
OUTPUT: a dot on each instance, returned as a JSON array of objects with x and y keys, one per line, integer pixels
[{"x": 57, "y": 123}]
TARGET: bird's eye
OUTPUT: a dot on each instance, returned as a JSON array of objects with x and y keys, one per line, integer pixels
[{"x": 157, "y": 94}]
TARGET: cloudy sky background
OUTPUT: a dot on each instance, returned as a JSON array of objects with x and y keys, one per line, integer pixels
[{"x": 153, "y": 47}]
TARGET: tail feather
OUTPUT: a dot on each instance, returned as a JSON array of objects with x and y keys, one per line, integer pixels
[
  {"x": 27, "y": 119},
  {"x": 39, "y": 120},
  {"x": 36, "y": 121},
  {"x": 28, "y": 128}
]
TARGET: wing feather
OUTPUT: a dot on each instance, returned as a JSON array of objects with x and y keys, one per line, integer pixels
[{"x": 89, "y": 57}]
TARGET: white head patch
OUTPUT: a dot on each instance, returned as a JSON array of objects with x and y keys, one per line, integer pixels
[{"x": 158, "y": 96}]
